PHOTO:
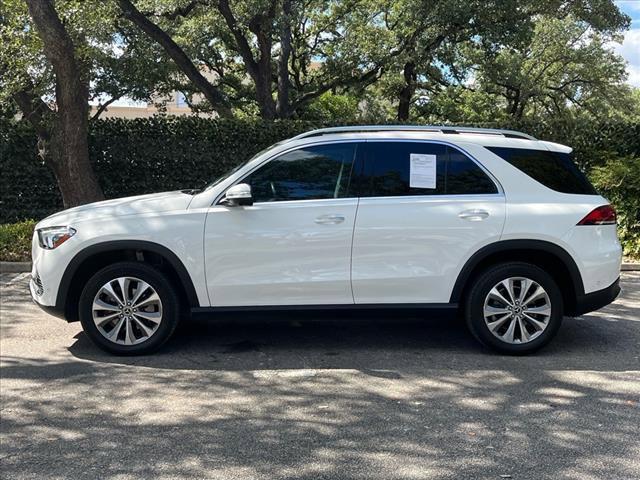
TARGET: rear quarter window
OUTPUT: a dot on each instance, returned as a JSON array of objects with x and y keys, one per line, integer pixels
[{"x": 555, "y": 170}]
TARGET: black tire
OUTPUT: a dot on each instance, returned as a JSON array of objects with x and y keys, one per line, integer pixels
[
  {"x": 157, "y": 280},
  {"x": 482, "y": 285}
]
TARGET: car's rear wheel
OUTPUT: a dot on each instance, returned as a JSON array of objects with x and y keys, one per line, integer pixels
[
  {"x": 129, "y": 308},
  {"x": 514, "y": 308}
]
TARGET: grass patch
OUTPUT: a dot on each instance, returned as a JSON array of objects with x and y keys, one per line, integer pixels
[{"x": 15, "y": 241}]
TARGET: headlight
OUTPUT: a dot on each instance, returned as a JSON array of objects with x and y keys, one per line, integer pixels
[{"x": 53, "y": 237}]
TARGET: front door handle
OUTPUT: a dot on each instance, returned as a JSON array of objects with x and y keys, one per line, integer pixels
[
  {"x": 473, "y": 215},
  {"x": 330, "y": 219}
]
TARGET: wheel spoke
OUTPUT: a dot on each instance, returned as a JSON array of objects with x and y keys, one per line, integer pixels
[
  {"x": 543, "y": 310},
  {"x": 152, "y": 316},
  {"x": 489, "y": 310},
  {"x": 508, "y": 285},
  {"x": 508, "y": 335},
  {"x": 493, "y": 326},
  {"x": 129, "y": 337},
  {"x": 124, "y": 288},
  {"x": 141, "y": 288},
  {"x": 153, "y": 298},
  {"x": 113, "y": 334},
  {"x": 525, "y": 285},
  {"x": 537, "y": 323},
  {"x": 108, "y": 288},
  {"x": 537, "y": 293},
  {"x": 524, "y": 334},
  {"x": 102, "y": 305},
  {"x": 494, "y": 293},
  {"x": 148, "y": 331},
  {"x": 106, "y": 319}
]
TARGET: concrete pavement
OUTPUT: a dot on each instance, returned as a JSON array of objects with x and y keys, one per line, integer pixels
[{"x": 317, "y": 399}]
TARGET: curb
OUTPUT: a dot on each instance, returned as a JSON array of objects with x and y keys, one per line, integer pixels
[
  {"x": 19, "y": 267},
  {"x": 15, "y": 267}
]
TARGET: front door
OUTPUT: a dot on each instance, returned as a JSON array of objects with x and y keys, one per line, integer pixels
[{"x": 293, "y": 245}]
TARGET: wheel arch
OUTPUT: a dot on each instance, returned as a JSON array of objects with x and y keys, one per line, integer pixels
[
  {"x": 549, "y": 256},
  {"x": 86, "y": 262}
]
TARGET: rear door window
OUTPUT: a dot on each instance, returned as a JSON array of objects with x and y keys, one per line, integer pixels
[
  {"x": 555, "y": 170},
  {"x": 388, "y": 172}
]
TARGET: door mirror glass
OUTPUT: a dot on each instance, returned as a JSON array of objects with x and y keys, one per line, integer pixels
[{"x": 238, "y": 195}]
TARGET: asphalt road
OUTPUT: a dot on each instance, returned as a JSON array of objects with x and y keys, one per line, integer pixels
[{"x": 320, "y": 398}]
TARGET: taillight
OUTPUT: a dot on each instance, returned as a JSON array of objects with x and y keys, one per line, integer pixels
[{"x": 604, "y": 215}]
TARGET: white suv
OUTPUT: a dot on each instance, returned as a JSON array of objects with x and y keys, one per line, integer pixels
[{"x": 491, "y": 223}]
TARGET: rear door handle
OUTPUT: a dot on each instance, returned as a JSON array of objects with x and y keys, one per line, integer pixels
[
  {"x": 330, "y": 219},
  {"x": 473, "y": 215}
]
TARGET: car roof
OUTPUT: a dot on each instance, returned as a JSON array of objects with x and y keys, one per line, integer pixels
[{"x": 453, "y": 135}]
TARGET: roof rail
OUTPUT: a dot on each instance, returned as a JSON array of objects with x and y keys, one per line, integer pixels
[{"x": 415, "y": 128}]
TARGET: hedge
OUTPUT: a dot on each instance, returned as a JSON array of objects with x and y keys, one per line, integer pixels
[
  {"x": 133, "y": 157},
  {"x": 619, "y": 181},
  {"x": 168, "y": 153}
]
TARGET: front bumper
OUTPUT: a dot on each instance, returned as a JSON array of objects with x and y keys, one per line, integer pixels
[
  {"x": 35, "y": 287},
  {"x": 595, "y": 300}
]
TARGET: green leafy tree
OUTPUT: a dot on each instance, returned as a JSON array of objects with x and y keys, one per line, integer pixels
[
  {"x": 567, "y": 66},
  {"x": 436, "y": 36},
  {"x": 278, "y": 55},
  {"x": 42, "y": 58},
  {"x": 57, "y": 61}
]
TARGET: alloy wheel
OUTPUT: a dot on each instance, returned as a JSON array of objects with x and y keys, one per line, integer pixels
[
  {"x": 517, "y": 310},
  {"x": 127, "y": 310}
]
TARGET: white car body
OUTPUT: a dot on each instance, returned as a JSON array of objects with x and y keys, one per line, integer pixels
[{"x": 405, "y": 250}]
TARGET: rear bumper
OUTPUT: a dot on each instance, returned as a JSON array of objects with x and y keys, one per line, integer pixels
[{"x": 598, "y": 299}]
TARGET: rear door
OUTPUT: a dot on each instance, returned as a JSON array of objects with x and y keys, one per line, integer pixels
[{"x": 425, "y": 207}]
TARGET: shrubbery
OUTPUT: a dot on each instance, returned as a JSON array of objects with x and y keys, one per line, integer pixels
[
  {"x": 619, "y": 180},
  {"x": 158, "y": 154},
  {"x": 15, "y": 241}
]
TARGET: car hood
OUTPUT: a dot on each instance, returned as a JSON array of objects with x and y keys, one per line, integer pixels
[{"x": 141, "y": 204}]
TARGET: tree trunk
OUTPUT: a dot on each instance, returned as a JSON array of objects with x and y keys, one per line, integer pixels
[
  {"x": 406, "y": 94},
  {"x": 282, "y": 107},
  {"x": 68, "y": 146},
  {"x": 513, "y": 101},
  {"x": 69, "y": 157},
  {"x": 261, "y": 26},
  {"x": 263, "y": 94}
]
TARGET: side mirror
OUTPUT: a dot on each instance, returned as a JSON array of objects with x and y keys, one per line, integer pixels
[{"x": 238, "y": 195}]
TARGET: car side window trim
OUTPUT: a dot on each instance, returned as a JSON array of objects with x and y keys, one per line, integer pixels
[
  {"x": 357, "y": 162},
  {"x": 496, "y": 182}
]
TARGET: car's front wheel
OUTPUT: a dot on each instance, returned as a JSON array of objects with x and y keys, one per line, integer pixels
[
  {"x": 514, "y": 308},
  {"x": 129, "y": 308}
]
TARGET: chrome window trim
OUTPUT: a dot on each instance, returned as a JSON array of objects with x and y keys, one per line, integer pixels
[{"x": 367, "y": 140}]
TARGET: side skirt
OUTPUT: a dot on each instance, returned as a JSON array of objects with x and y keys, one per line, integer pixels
[{"x": 433, "y": 310}]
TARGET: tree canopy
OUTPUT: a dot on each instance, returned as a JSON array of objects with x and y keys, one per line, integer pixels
[{"x": 442, "y": 60}]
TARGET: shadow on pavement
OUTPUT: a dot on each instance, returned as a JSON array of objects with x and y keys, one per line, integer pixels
[
  {"x": 330, "y": 398},
  {"x": 388, "y": 343}
]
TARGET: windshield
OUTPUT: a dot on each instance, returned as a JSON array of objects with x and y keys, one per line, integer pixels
[{"x": 239, "y": 166}]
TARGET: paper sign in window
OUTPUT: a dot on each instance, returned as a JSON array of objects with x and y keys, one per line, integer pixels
[{"x": 422, "y": 170}]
